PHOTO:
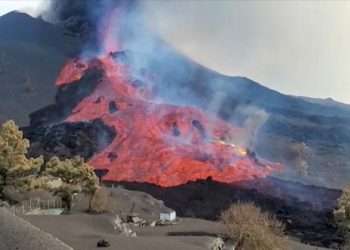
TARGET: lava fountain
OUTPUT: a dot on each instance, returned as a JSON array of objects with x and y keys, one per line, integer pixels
[{"x": 158, "y": 143}]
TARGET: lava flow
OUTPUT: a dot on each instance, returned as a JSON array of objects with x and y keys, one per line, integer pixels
[{"x": 157, "y": 143}]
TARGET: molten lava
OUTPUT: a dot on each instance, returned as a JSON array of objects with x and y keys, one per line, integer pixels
[{"x": 157, "y": 143}]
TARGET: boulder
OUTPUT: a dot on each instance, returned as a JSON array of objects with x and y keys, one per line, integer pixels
[
  {"x": 103, "y": 243},
  {"x": 217, "y": 244}
]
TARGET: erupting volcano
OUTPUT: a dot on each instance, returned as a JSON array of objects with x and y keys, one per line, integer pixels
[{"x": 155, "y": 142}]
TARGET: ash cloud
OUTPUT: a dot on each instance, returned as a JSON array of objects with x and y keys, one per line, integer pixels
[{"x": 81, "y": 17}]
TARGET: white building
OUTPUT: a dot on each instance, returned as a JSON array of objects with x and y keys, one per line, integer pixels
[{"x": 169, "y": 215}]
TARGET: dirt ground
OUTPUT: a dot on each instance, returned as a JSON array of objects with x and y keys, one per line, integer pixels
[
  {"x": 82, "y": 231},
  {"x": 18, "y": 234}
]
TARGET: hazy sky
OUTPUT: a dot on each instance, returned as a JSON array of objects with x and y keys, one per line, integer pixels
[
  {"x": 296, "y": 47},
  {"x": 32, "y": 7}
]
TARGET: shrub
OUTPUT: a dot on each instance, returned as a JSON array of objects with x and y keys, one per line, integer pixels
[
  {"x": 342, "y": 212},
  {"x": 342, "y": 216},
  {"x": 99, "y": 201},
  {"x": 253, "y": 229}
]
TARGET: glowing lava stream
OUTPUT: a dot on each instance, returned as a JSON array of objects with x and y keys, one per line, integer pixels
[{"x": 161, "y": 144}]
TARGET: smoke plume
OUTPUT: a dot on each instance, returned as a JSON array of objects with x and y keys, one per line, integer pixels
[{"x": 120, "y": 25}]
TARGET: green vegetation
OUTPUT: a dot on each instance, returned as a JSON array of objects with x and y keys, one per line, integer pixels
[
  {"x": 15, "y": 168},
  {"x": 61, "y": 177},
  {"x": 76, "y": 176},
  {"x": 253, "y": 229}
]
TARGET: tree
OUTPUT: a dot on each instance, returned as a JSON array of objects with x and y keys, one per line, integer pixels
[
  {"x": 342, "y": 212},
  {"x": 15, "y": 168},
  {"x": 342, "y": 215},
  {"x": 76, "y": 176},
  {"x": 253, "y": 229}
]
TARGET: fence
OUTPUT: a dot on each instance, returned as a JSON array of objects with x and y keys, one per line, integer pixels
[{"x": 30, "y": 205}]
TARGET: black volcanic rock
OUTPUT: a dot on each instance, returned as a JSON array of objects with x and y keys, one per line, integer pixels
[
  {"x": 67, "y": 140},
  {"x": 67, "y": 98}
]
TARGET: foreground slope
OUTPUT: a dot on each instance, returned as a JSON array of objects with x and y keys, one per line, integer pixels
[{"x": 18, "y": 234}]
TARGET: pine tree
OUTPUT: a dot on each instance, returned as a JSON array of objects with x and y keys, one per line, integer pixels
[
  {"x": 76, "y": 176},
  {"x": 15, "y": 168}
]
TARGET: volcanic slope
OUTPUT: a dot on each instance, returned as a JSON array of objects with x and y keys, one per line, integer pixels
[{"x": 31, "y": 54}]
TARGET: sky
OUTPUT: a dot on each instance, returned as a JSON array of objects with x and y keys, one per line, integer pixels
[
  {"x": 32, "y": 7},
  {"x": 296, "y": 47}
]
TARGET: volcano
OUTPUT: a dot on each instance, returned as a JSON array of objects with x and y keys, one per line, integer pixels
[
  {"x": 157, "y": 143},
  {"x": 154, "y": 141}
]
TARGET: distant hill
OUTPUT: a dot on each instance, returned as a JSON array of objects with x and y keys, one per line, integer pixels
[
  {"x": 33, "y": 51},
  {"x": 327, "y": 101},
  {"x": 31, "y": 54}
]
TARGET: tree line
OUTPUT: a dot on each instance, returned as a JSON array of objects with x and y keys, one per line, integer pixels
[{"x": 61, "y": 177}]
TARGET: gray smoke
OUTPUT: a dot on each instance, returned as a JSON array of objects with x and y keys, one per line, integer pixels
[
  {"x": 255, "y": 118},
  {"x": 82, "y": 17}
]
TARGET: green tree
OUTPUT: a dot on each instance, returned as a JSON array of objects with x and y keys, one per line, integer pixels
[
  {"x": 15, "y": 168},
  {"x": 76, "y": 176}
]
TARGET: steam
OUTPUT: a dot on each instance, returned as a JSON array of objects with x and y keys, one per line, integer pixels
[{"x": 255, "y": 118}]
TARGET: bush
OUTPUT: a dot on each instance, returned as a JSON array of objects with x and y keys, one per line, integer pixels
[
  {"x": 342, "y": 212},
  {"x": 253, "y": 229},
  {"x": 99, "y": 201}
]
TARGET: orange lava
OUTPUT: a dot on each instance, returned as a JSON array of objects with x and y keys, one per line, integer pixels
[
  {"x": 157, "y": 143},
  {"x": 71, "y": 71}
]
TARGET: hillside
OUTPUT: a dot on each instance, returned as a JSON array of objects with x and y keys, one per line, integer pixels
[{"x": 31, "y": 54}]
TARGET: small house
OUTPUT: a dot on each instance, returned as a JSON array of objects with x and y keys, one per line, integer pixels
[{"x": 168, "y": 215}]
